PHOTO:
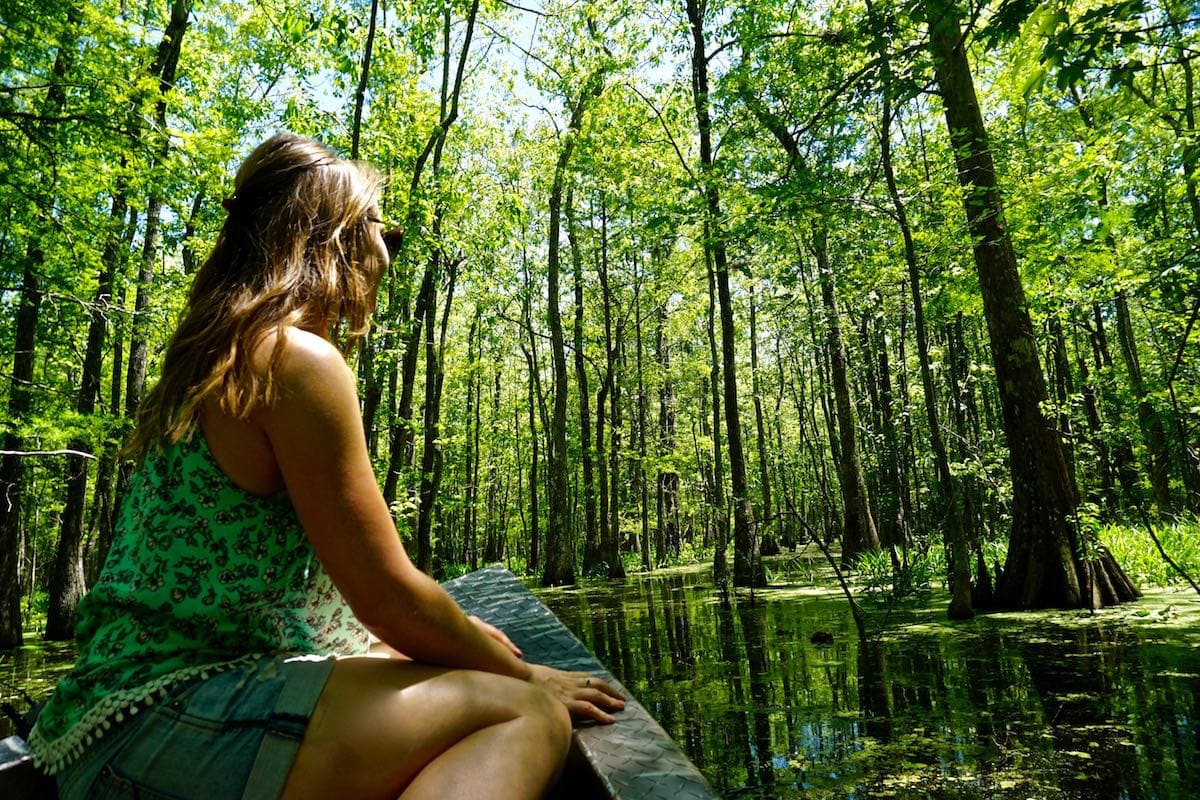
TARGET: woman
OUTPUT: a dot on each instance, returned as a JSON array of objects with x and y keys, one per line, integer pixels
[{"x": 223, "y": 652}]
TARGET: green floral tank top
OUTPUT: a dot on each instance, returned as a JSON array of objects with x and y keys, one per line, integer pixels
[{"x": 202, "y": 576}]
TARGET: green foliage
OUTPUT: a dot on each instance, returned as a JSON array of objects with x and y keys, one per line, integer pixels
[
  {"x": 907, "y": 583},
  {"x": 1091, "y": 126},
  {"x": 1133, "y": 549}
]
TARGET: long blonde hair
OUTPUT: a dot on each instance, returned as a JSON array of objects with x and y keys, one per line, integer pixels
[{"x": 292, "y": 251}]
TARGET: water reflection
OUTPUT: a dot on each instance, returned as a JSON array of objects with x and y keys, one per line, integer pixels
[{"x": 997, "y": 708}]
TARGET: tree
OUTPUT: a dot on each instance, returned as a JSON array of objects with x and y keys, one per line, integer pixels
[
  {"x": 747, "y": 563},
  {"x": 1047, "y": 563}
]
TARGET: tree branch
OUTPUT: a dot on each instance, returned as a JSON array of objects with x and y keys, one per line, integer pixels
[{"x": 38, "y": 453}]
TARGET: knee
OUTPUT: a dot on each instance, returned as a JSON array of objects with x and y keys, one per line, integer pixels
[
  {"x": 559, "y": 721},
  {"x": 552, "y": 715}
]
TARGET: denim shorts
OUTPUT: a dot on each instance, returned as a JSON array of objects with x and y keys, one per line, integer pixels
[{"x": 232, "y": 735}]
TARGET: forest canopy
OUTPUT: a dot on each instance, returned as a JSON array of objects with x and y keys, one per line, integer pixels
[{"x": 678, "y": 280}]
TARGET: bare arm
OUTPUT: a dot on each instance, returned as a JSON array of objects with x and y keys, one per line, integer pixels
[{"x": 315, "y": 430}]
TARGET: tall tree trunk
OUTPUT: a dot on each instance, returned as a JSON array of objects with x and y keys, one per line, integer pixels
[
  {"x": 164, "y": 67},
  {"x": 787, "y": 525},
  {"x": 1124, "y": 464},
  {"x": 909, "y": 474},
  {"x": 372, "y": 379},
  {"x": 533, "y": 396},
  {"x": 12, "y": 466},
  {"x": 400, "y": 437},
  {"x": 858, "y": 530},
  {"x": 364, "y": 75},
  {"x": 12, "y": 470},
  {"x": 954, "y": 536},
  {"x": 469, "y": 490},
  {"x": 400, "y": 442},
  {"x": 1064, "y": 388},
  {"x": 612, "y": 548},
  {"x": 717, "y": 485},
  {"x": 893, "y": 485},
  {"x": 560, "y": 553},
  {"x": 591, "y": 539},
  {"x": 610, "y": 539},
  {"x": 958, "y": 375},
  {"x": 1107, "y": 488},
  {"x": 644, "y": 490},
  {"x": 66, "y": 577},
  {"x": 667, "y": 539},
  {"x": 494, "y": 549},
  {"x": 1148, "y": 419},
  {"x": 769, "y": 546},
  {"x": 1046, "y": 565},
  {"x": 602, "y": 464},
  {"x": 747, "y": 563},
  {"x": 431, "y": 451}
]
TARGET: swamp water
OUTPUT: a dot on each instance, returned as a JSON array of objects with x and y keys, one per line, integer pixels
[
  {"x": 1037, "y": 705},
  {"x": 1016, "y": 705}
]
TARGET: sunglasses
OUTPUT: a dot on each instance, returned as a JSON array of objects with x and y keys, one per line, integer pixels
[{"x": 392, "y": 237}]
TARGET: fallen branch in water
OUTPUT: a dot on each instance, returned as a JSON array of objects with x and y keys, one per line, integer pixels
[{"x": 860, "y": 618}]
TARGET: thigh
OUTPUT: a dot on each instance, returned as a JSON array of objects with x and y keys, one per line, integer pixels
[
  {"x": 208, "y": 738},
  {"x": 380, "y": 721}
]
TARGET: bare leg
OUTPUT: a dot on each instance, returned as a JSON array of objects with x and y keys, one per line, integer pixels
[{"x": 384, "y": 727}]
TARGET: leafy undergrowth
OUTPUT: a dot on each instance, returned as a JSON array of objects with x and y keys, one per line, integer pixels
[{"x": 1134, "y": 550}]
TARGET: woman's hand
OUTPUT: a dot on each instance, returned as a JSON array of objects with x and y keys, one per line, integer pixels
[
  {"x": 497, "y": 634},
  {"x": 585, "y": 696}
]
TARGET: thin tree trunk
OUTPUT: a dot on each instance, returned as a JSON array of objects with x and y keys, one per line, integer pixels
[
  {"x": 591, "y": 539},
  {"x": 494, "y": 549},
  {"x": 747, "y": 563},
  {"x": 560, "y": 554},
  {"x": 534, "y": 532},
  {"x": 667, "y": 539},
  {"x": 1107, "y": 489},
  {"x": 431, "y": 451},
  {"x": 1124, "y": 464},
  {"x": 647, "y": 563},
  {"x": 400, "y": 453},
  {"x": 768, "y": 544},
  {"x": 1148, "y": 419},
  {"x": 954, "y": 537},
  {"x": 468, "y": 520},
  {"x": 610, "y": 539},
  {"x": 717, "y": 488},
  {"x": 858, "y": 530},
  {"x": 364, "y": 75},
  {"x": 66, "y": 585},
  {"x": 12, "y": 469}
]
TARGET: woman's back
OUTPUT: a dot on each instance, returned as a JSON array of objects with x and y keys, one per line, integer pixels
[{"x": 202, "y": 575}]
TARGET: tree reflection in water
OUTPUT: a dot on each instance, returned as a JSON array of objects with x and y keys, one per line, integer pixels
[{"x": 995, "y": 708}]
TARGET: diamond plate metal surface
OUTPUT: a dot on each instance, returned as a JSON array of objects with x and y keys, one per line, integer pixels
[{"x": 633, "y": 758}]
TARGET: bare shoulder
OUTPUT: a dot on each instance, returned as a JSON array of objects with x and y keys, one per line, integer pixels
[{"x": 304, "y": 360}]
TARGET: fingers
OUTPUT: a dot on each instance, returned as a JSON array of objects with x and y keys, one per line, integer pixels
[
  {"x": 600, "y": 699},
  {"x": 497, "y": 634},
  {"x": 586, "y": 696},
  {"x": 593, "y": 699},
  {"x": 581, "y": 709},
  {"x": 502, "y": 637},
  {"x": 610, "y": 693}
]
